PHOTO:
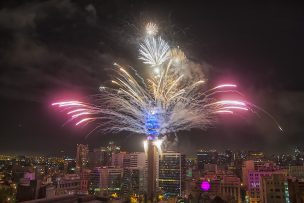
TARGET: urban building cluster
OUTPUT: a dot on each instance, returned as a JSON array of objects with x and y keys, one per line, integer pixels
[{"x": 110, "y": 173}]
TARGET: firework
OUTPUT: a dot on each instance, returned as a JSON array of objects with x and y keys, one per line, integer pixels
[
  {"x": 157, "y": 106},
  {"x": 166, "y": 104},
  {"x": 151, "y": 29},
  {"x": 177, "y": 56},
  {"x": 154, "y": 51}
]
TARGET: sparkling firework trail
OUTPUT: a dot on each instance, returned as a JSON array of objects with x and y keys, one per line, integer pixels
[
  {"x": 177, "y": 56},
  {"x": 156, "y": 106},
  {"x": 167, "y": 104},
  {"x": 154, "y": 51}
]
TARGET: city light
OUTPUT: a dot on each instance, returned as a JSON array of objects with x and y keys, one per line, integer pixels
[{"x": 205, "y": 185}]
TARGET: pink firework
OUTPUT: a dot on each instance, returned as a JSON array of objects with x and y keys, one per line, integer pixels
[{"x": 168, "y": 105}]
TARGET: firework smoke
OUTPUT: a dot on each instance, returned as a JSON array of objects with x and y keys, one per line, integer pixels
[{"x": 177, "y": 99}]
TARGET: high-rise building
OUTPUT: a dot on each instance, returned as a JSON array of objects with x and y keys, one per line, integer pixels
[
  {"x": 246, "y": 167},
  {"x": 191, "y": 161},
  {"x": 134, "y": 169},
  {"x": 84, "y": 181},
  {"x": 135, "y": 159},
  {"x": 111, "y": 179},
  {"x": 133, "y": 181},
  {"x": 95, "y": 180},
  {"x": 112, "y": 148},
  {"x": 296, "y": 190},
  {"x": 298, "y": 157},
  {"x": 82, "y": 157},
  {"x": 274, "y": 188},
  {"x": 254, "y": 182},
  {"x": 69, "y": 166},
  {"x": 105, "y": 180},
  {"x": 191, "y": 166},
  {"x": 226, "y": 186},
  {"x": 171, "y": 173},
  {"x": 100, "y": 157},
  {"x": 151, "y": 172},
  {"x": 206, "y": 157}
]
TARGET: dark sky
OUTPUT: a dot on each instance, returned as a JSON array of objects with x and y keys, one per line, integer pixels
[{"x": 64, "y": 48}]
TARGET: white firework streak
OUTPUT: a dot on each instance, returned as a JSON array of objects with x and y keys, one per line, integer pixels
[
  {"x": 171, "y": 102},
  {"x": 180, "y": 104},
  {"x": 154, "y": 51}
]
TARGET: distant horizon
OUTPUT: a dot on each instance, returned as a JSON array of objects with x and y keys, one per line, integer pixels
[{"x": 70, "y": 154}]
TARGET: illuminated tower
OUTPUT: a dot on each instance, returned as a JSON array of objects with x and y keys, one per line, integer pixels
[
  {"x": 152, "y": 129},
  {"x": 152, "y": 158},
  {"x": 82, "y": 157}
]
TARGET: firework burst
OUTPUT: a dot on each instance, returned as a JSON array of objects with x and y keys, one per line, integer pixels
[
  {"x": 156, "y": 106},
  {"x": 154, "y": 51},
  {"x": 177, "y": 56},
  {"x": 151, "y": 29},
  {"x": 166, "y": 104}
]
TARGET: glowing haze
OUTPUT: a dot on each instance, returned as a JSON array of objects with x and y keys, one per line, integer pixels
[{"x": 165, "y": 102}]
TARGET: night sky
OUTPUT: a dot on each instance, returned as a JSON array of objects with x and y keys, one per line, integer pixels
[{"x": 58, "y": 49}]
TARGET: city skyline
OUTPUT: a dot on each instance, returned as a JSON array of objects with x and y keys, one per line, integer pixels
[
  {"x": 107, "y": 173},
  {"x": 35, "y": 74}
]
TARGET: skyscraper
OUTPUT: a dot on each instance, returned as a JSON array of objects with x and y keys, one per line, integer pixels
[
  {"x": 98, "y": 157},
  {"x": 82, "y": 157},
  {"x": 296, "y": 190},
  {"x": 111, "y": 179},
  {"x": 172, "y": 173},
  {"x": 275, "y": 189},
  {"x": 84, "y": 181},
  {"x": 133, "y": 181},
  {"x": 151, "y": 172},
  {"x": 135, "y": 159}
]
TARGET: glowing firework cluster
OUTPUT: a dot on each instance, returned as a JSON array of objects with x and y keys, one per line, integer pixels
[
  {"x": 154, "y": 51},
  {"x": 167, "y": 101},
  {"x": 151, "y": 29}
]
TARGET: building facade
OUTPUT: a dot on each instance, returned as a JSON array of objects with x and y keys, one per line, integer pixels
[
  {"x": 69, "y": 184},
  {"x": 255, "y": 183},
  {"x": 82, "y": 157},
  {"x": 133, "y": 181},
  {"x": 296, "y": 190},
  {"x": 171, "y": 173},
  {"x": 226, "y": 186},
  {"x": 274, "y": 189}
]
